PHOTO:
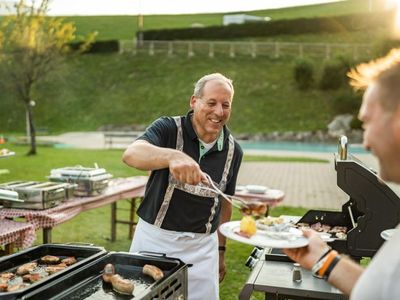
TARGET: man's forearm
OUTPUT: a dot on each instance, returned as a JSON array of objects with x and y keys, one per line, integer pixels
[
  {"x": 345, "y": 275},
  {"x": 226, "y": 214},
  {"x": 145, "y": 156}
]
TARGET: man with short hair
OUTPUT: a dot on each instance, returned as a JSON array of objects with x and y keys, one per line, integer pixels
[
  {"x": 380, "y": 114},
  {"x": 179, "y": 215}
]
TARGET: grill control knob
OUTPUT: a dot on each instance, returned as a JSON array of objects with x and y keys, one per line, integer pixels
[
  {"x": 256, "y": 253},
  {"x": 251, "y": 262}
]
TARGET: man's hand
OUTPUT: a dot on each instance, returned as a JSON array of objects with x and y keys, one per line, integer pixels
[
  {"x": 185, "y": 169},
  {"x": 307, "y": 256},
  {"x": 222, "y": 267}
]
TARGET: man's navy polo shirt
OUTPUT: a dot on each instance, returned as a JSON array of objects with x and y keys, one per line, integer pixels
[{"x": 186, "y": 212}]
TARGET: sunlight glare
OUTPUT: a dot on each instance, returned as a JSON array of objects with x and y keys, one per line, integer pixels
[{"x": 396, "y": 28}]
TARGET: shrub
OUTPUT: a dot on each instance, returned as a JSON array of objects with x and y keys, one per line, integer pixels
[
  {"x": 303, "y": 74},
  {"x": 346, "y": 102},
  {"x": 334, "y": 74}
]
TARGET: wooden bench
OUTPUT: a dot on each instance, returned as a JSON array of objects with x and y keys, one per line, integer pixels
[{"x": 119, "y": 139}]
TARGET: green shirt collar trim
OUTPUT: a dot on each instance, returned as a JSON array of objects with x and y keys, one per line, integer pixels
[{"x": 220, "y": 144}]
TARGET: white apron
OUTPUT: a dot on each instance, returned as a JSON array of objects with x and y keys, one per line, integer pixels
[{"x": 197, "y": 249}]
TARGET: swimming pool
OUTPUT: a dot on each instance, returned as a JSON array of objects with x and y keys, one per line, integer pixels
[{"x": 298, "y": 146}]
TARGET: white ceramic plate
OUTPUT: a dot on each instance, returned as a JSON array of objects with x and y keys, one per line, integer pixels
[
  {"x": 388, "y": 233},
  {"x": 230, "y": 230},
  {"x": 256, "y": 189},
  {"x": 240, "y": 188}
]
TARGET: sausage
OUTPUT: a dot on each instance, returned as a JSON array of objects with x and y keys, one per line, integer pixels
[
  {"x": 26, "y": 268},
  {"x": 122, "y": 285},
  {"x": 119, "y": 284},
  {"x": 109, "y": 271},
  {"x": 153, "y": 271}
]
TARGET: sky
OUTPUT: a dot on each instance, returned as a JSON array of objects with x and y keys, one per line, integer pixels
[{"x": 146, "y": 7}]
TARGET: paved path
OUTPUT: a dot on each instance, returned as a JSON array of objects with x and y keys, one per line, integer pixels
[{"x": 309, "y": 185}]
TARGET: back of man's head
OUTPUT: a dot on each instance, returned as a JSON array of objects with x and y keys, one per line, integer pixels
[{"x": 384, "y": 72}]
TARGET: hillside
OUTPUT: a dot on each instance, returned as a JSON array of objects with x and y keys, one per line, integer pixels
[{"x": 94, "y": 90}]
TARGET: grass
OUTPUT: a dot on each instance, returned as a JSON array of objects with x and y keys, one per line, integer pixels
[
  {"x": 94, "y": 90},
  {"x": 94, "y": 226}
]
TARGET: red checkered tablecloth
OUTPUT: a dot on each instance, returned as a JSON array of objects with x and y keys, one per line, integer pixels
[
  {"x": 119, "y": 188},
  {"x": 22, "y": 234}
]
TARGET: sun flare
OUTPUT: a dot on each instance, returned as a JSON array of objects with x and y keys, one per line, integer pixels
[{"x": 396, "y": 28}]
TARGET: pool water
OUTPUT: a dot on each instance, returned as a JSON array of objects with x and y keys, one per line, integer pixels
[{"x": 298, "y": 146}]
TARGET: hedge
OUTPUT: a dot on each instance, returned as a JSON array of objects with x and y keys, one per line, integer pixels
[{"x": 345, "y": 23}]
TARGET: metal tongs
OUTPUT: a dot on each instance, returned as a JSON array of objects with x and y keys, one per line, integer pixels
[{"x": 235, "y": 201}]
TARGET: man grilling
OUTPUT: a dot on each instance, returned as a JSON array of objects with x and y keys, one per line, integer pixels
[
  {"x": 380, "y": 114},
  {"x": 179, "y": 216}
]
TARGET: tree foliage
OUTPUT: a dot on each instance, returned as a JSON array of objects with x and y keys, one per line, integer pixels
[{"x": 32, "y": 45}]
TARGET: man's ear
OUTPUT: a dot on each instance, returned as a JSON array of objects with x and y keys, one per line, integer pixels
[
  {"x": 396, "y": 123},
  {"x": 193, "y": 100}
]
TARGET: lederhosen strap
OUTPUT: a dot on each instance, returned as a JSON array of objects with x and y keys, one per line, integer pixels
[{"x": 194, "y": 189}]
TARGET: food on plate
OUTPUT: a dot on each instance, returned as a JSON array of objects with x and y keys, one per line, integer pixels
[
  {"x": 247, "y": 226},
  {"x": 4, "y": 151},
  {"x": 336, "y": 231},
  {"x": 153, "y": 271},
  {"x": 268, "y": 221},
  {"x": 109, "y": 271},
  {"x": 254, "y": 208},
  {"x": 122, "y": 285},
  {"x": 69, "y": 260},
  {"x": 26, "y": 268},
  {"x": 50, "y": 259}
]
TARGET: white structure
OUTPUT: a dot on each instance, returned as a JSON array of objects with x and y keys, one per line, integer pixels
[{"x": 242, "y": 18}]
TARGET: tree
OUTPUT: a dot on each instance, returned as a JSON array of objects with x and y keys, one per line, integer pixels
[{"x": 32, "y": 46}]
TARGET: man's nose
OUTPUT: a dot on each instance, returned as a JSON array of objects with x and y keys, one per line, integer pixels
[{"x": 219, "y": 110}]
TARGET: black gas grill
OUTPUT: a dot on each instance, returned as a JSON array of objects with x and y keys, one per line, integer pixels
[{"x": 372, "y": 208}]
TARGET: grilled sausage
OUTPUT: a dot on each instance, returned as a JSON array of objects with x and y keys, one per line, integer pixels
[
  {"x": 122, "y": 285},
  {"x": 109, "y": 271},
  {"x": 26, "y": 268},
  {"x": 153, "y": 271}
]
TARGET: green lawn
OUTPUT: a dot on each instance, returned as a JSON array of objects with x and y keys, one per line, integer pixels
[{"x": 94, "y": 226}]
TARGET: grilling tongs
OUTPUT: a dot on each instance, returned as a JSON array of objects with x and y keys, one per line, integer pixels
[{"x": 235, "y": 201}]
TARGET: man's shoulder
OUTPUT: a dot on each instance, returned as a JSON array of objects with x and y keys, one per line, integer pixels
[{"x": 165, "y": 122}]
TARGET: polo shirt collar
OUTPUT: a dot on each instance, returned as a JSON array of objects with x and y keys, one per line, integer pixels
[{"x": 192, "y": 133}]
